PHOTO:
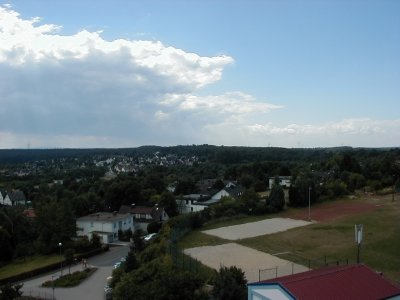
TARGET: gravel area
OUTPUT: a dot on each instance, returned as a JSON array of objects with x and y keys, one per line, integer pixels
[
  {"x": 269, "y": 226},
  {"x": 249, "y": 260}
]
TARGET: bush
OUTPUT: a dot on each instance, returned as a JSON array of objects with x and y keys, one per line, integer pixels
[
  {"x": 230, "y": 284},
  {"x": 10, "y": 292},
  {"x": 153, "y": 227},
  {"x": 71, "y": 279}
]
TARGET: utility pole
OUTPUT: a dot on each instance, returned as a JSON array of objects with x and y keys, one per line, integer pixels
[{"x": 309, "y": 203}]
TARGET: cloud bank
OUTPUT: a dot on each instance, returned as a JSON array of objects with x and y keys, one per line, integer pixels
[{"x": 81, "y": 90}]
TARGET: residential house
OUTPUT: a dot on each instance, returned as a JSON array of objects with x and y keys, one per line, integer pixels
[
  {"x": 284, "y": 181},
  {"x": 105, "y": 225},
  {"x": 335, "y": 282},
  {"x": 12, "y": 198},
  {"x": 208, "y": 194},
  {"x": 193, "y": 203},
  {"x": 144, "y": 215},
  {"x": 5, "y": 198}
]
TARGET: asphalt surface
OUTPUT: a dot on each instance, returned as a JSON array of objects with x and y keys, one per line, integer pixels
[{"x": 90, "y": 289}]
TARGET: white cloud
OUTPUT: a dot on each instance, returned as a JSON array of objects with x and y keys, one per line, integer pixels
[
  {"x": 54, "y": 85},
  {"x": 81, "y": 90},
  {"x": 362, "y": 132},
  {"x": 363, "y": 126},
  {"x": 236, "y": 103}
]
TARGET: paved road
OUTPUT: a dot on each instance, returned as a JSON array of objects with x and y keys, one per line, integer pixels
[{"x": 90, "y": 289}]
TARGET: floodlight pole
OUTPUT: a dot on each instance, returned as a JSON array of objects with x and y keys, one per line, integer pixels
[
  {"x": 60, "y": 245},
  {"x": 393, "y": 187},
  {"x": 309, "y": 203}
]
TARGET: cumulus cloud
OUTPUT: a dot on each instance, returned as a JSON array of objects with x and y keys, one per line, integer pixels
[
  {"x": 83, "y": 85},
  {"x": 81, "y": 90},
  {"x": 362, "y": 126},
  {"x": 359, "y": 132}
]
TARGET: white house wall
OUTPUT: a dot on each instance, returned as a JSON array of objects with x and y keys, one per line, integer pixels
[
  {"x": 190, "y": 207},
  {"x": 219, "y": 195},
  {"x": 87, "y": 227}
]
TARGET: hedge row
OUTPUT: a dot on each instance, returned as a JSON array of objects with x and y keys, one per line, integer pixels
[{"x": 48, "y": 268}]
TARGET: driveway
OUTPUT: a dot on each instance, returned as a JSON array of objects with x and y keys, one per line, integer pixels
[{"x": 91, "y": 289}]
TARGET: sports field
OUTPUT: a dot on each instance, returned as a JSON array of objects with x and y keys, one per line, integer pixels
[
  {"x": 253, "y": 229},
  {"x": 331, "y": 236},
  {"x": 251, "y": 261}
]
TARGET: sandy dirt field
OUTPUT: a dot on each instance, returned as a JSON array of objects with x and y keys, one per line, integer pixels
[
  {"x": 248, "y": 259},
  {"x": 242, "y": 231}
]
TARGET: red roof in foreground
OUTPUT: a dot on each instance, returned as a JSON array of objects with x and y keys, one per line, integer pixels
[{"x": 339, "y": 282}]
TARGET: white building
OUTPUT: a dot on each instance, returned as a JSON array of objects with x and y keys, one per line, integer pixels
[
  {"x": 198, "y": 202},
  {"x": 4, "y": 198},
  {"x": 105, "y": 225},
  {"x": 284, "y": 181},
  {"x": 194, "y": 203}
]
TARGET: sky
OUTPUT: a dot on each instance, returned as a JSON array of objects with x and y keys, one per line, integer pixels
[{"x": 94, "y": 74}]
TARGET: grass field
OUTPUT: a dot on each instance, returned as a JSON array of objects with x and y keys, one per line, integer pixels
[
  {"x": 333, "y": 239},
  {"x": 20, "y": 266}
]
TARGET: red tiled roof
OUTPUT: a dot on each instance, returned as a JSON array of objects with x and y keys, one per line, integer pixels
[
  {"x": 339, "y": 282},
  {"x": 30, "y": 213}
]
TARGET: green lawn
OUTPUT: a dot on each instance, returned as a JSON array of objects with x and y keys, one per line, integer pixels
[
  {"x": 333, "y": 240},
  {"x": 20, "y": 266}
]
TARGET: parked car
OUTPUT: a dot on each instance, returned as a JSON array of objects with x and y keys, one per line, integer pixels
[
  {"x": 117, "y": 264},
  {"x": 149, "y": 237}
]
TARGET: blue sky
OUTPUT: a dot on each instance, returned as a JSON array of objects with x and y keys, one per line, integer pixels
[{"x": 249, "y": 73}]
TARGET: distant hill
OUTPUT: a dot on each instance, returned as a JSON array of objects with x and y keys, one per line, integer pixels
[{"x": 220, "y": 154}]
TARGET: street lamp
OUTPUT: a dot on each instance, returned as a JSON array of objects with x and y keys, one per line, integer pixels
[
  {"x": 52, "y": 283},
  {"x": 309, "y": 203},
  {"x": 60, "y": 245}
]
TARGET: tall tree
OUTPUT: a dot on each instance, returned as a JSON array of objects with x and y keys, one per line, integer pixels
[
  {"x": 276, "y": 199},
  {"x": 230, "y": 284}
]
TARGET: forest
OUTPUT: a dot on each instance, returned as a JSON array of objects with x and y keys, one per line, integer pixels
[{"x": 70, "y": 184}]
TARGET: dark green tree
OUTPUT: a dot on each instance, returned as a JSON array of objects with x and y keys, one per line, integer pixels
[
  {"x": 167, "y": 200},
  {"x": 7, "y": 250},
  {"x": 137, "y": 238},
  {"x": 10, "y": 292},
  {"x": 230, "y": 284},
  {"x": 131, "y": 262},
  {"x": 69, "y": 258},
  {"x": 276, "y": 199},
  {"x": 158, "y": 280},
  {"x": 95, "y": 241}
]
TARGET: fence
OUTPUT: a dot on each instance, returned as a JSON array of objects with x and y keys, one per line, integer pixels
[
  {"x": 37, "y": 295},
  {"x": 183, "y": 261},
  {"x": 294, "y": 268}
]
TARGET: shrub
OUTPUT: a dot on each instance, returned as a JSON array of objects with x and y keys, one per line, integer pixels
[
  {"x": 230, "y": 284},
  {"x": 153, "y": 227},
  {"x": 70, "y": 279}
]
